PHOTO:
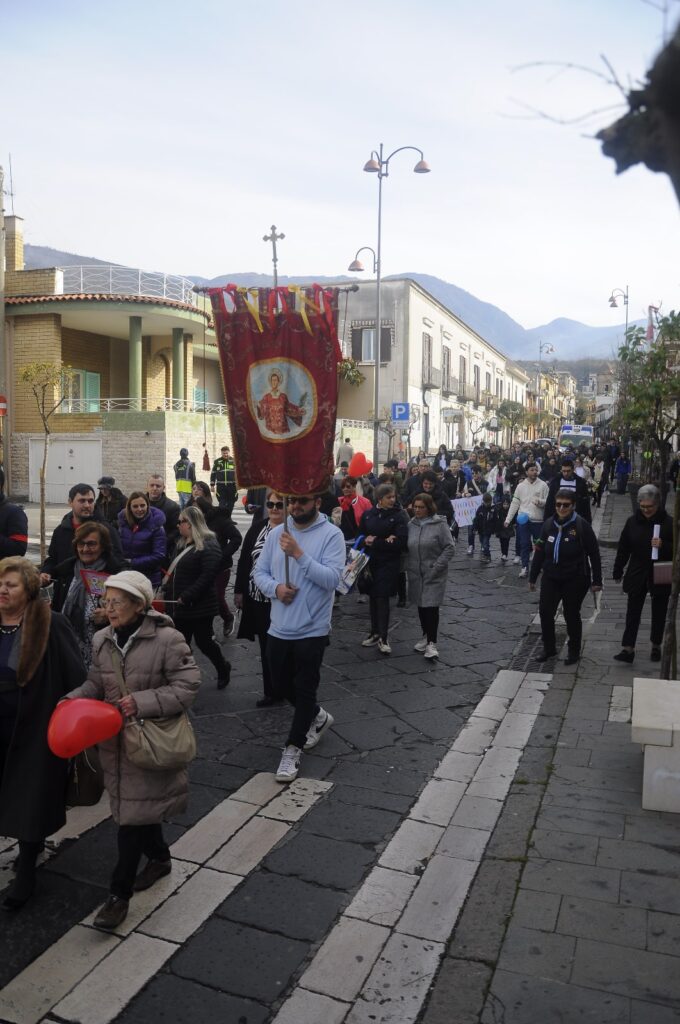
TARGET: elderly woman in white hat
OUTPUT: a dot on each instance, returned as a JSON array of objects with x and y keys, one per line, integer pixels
[{"x": 141, "y": 663}]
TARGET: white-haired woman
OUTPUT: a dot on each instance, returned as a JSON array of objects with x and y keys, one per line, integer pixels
[
  {"x": 190, "y": 587},
  {"x": 141, "y": 663}
]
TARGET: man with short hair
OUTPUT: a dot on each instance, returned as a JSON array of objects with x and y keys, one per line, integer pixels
[
  {"x": 155, "y": 492},
  {"x": 527, "y": 504},
  {"x": 110, "y": 500},
  {"x": 223, "y": 479},
  {"x": 13, "y": 525},
  {"x": 301, "y": 610},
  {"x": 185, "y": 476},
  {"x": 82, "y": 503},
  {"x": 345, "y": 453},
  {"x": 567, "y": 480}
]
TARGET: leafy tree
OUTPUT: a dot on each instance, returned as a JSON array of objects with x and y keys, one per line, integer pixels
[
  {"x": 650, "y": 389},
  {"x": 45, "y": 381},
  {"x": 511, "y": 415},
  {"x": 581, "y": 413}
]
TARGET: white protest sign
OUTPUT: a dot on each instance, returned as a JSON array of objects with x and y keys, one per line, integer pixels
[{"x": 464, "y": 509}]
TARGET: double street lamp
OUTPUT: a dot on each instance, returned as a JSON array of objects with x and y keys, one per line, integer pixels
[
  {"x": 619, "y": 293},
  {"x": 380, "y": 165},
  {"x": 543, "y": 346}
]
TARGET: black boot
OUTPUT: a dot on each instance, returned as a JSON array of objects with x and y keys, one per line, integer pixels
[
  {"x": 572, "y": 656},
  {"x": 224, "y": 675},
  {"x": 23, "y": 886}
]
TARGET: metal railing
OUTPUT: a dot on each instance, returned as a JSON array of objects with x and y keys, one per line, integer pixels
[
  {"x": 432, "y": 377},
  {"x": 100, "y": 405},
  {"x": 113, "y": 280}
]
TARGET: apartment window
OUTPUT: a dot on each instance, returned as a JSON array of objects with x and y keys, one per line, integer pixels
[
  {"x": 427, "y": 352},
  {"x": 462, "y": 370},
  {"x": 487, "y": 386},
  {"x": 446, "y": 363},
  {"x": 363, "y": 344},
  {"x": 200, "y": 398},
  {"x": 81, "y": 391},
  {"x": 499, "y": 389},
  {"x": 477, "y": 380}
]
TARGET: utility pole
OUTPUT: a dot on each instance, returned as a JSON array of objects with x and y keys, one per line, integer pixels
[
  {"x": 3, "y": 353},
  {"x": 274, "y": 238}
]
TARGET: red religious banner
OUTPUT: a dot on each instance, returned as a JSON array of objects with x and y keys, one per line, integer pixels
[{"x": 279, "y": 354}]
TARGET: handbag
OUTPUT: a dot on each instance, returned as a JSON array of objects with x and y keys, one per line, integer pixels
[
  {"x": 156, "y": 744},
  {"x": 364, "y": 582},
  {"x": 85, "y": 783},
  {"x": 662, "y": 574}
]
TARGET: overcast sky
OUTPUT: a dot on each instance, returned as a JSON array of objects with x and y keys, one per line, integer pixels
[{"x": 170, "y": 136}]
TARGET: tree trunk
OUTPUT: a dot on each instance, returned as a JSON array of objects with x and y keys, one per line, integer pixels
[
  {"x": 43, "y": 472},
  {"x": 669, "y": 649}
]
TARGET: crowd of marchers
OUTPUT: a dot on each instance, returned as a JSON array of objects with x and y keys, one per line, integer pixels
[{"x": 131, "y": 581}]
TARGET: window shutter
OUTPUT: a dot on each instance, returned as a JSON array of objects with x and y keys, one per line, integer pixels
[
  {"x": 356, "y": 344},
  {"x": 385, "y": 344}
]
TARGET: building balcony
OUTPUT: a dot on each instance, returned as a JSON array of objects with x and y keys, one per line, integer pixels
[
  {"x": 113, "y": 280},
  {"x": 432, "y": 377},
  {"x": 489, "y": 400},
  {"x": 449, "y": 385},
  {"x": 102, "y": 405}
]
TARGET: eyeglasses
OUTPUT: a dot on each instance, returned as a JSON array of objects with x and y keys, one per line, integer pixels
[
  {"x": 274, "y": 504},
  {"x": 563, "y": 504},
  {"x": 87, "y": 543},
  {"x": 116, "y": 603},
  {"x": 300, "y": 501},
  {"x": 647, "y": 508}
]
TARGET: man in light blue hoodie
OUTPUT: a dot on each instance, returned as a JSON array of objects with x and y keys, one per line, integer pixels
[{"x": 300, "y": 618}]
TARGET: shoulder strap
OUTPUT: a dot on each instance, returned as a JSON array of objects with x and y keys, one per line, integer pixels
[{"x": 117, "y": 666}]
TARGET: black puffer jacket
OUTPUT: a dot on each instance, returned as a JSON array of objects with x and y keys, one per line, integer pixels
[
  {"x": 193, "y": 580},
  {"x": 385, "y": 557},
  {"x": 634, "y": 551},
  {"x": 13, "y": 529},
  {"x": 578, "y": 553}
]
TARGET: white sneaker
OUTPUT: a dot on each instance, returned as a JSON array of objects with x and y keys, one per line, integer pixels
[
  {"x": 516, "y": 560},
  {"x": 523, "y": 573},
  {"x": 504, "y": 558},
  {"x": 431, "y": 651},
  {"x": 471, "y": 550},
  {"x": 289, "y": 766},
  {"x": 421, "y": 645},
  {"x": 318, "y": 727},
  {"x": 371, "y": 640},
  {"x": 384, "y": 647}
]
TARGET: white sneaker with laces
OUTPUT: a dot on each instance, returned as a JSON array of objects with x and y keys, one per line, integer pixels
[
  {"x": 371, "y": 640},
  {"x": 321, "y": 723},
  {"x": 504, "y": 558},
  {"x": 421, "y": 645},
  {"x": 384, "y": 647},
  {"x": 289, "y": 766},
  {"x": 471, "y": 550},
  {"x": 516, "y": 560},
  {"x": 431, "y": 651},
  {"x": 523, "y": 573}
]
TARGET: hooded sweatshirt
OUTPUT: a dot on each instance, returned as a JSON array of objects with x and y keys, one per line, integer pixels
[{"x": 316, "y": 575}]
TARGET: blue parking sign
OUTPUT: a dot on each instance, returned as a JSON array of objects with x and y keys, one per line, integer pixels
[{"x": 400, "y": 412}]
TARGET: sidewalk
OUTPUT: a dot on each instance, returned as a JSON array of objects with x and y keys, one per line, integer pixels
[{"x": 574, "y": 914}]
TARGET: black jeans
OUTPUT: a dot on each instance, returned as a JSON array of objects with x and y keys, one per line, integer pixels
[
  {"x": 261, "y": 611},
  {"x": 226, "y": 497},
  {"x": 380, "y": 616},
  {"x": 636, "y": 602},
  {"x": 429, "y": 620},
  {"x": 133, "y": 841},
  {"x": 202, "y": 632},
  {"x": 571, "y": 593},
  {"x": 295, "y": 667}
]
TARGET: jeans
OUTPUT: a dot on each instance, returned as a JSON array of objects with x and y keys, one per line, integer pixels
[
  {"x": 183, "y": 498},
  {"x": 528, "y": 533},
  {"x": 471, "y": 537},
  {"x": 261, "y": 611},
  {"x": 295, "y": 667},
  {"x": 429, "y": 621},
  {"x": 485, "y": 540},
  {"x": 202, "y": 632},
  {"x": 133, "y": 841},
  {"x": 505, "y": 545},
  {"x": 379, "y": 608}
]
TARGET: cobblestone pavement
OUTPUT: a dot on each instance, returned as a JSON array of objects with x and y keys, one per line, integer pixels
[{"x": 466, "y": 845}]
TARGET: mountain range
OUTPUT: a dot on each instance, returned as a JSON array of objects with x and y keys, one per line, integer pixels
[{"x": 571, "y": 340}]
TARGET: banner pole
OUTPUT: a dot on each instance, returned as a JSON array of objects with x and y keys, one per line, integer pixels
[{"x": 286, "y": 530}]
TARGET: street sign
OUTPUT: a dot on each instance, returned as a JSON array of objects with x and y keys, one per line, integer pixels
[
  {"x": 400, "y": 412},
  {"x": 450, "y": 415},
  {"x": 3, "y": 405}
]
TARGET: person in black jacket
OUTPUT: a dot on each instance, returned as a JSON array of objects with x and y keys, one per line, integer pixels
[
  {"x": 229, "y": 538},
  {"x": 110, "y": 501},
  {"x": 13, "y": 525},
  {"x": 81, "y": 500},
  {"x": 190, "y": 587},
  {"x": 634, "y": 554},
  {"x": 385, "y": 529},
  {"x": 568, "y": 481},
  {"x": 155, "y": 492},
  {"x": 568, "y": 554}
]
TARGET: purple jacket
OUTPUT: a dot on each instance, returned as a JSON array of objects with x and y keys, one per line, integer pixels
[{"x": 145, "y": 544}]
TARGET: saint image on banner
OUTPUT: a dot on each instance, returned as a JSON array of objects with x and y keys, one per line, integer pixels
[{"x": 282, "y": 399}]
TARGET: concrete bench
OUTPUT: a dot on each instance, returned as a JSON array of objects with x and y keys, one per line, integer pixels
[{"x": 656, "y": 724}]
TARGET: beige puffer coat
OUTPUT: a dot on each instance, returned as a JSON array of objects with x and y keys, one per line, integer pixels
[{"x": 160, "y": 671}]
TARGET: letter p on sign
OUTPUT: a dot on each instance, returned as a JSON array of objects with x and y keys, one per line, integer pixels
[{"x": 400, "y": 412}]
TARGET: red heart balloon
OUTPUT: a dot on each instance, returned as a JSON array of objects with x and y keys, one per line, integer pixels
[
  {"x": 78, "y": 724},
  {"x": 359, "y": 465}
]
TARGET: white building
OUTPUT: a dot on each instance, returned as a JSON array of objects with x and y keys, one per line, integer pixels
[{"x": 451, "y": 378}]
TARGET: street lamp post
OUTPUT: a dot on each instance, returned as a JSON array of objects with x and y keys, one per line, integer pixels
[
  {"x": 543, "y": 346},
  {"x": 619, "y": 293},
  {"x": 380, "y": 165}
]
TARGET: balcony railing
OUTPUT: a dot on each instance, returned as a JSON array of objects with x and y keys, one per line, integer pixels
[
  {"x": 489, "y": 400},
  {"x": 100, "y": 405},
  {"x": 112, "y": 280},
  {"x": 432, "y": 377}
]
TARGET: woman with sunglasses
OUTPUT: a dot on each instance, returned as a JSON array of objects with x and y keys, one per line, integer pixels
[
  {"x": 569, "y": 557},
  {"x": 190, "y": 587},
  {"x": 385, "y": 528},
  {"x": 92, "y": 552},
  {"x": 255, "y": 608}
]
